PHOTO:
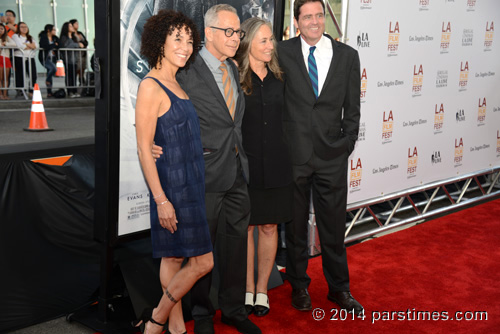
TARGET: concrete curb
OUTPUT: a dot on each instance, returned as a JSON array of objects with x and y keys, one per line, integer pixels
[{"x": 48, "y": 103}]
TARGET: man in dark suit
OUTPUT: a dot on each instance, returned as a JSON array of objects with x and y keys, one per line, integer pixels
[
  {"x": 320, "y": 123},
  {"x": 212, "y": 83}
]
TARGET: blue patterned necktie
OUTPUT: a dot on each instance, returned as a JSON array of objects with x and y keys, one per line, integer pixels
[{"x": 313, "y": 70}]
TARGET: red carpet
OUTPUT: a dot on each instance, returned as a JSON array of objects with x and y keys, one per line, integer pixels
[{"x": 443, "y": 266}]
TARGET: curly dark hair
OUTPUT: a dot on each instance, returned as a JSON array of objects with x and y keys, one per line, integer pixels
[{"x": 155, "y": 33}]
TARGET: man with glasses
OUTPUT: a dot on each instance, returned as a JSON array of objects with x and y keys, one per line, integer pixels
[{"x": 212, "y": 83}]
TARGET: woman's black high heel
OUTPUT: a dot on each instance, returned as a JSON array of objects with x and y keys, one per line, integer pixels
[{"x": 147, "y": 316}]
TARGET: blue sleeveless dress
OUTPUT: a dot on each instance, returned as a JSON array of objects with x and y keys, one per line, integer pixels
[{"x": 181, "y": 169}]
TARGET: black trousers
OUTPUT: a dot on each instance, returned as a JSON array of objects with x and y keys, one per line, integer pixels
[
  {"x": 30, "y": 67},
  {"x": 228, "y": 215},
  {"x": 70, "y": 77},
  {"x": 327, "y": 182}
]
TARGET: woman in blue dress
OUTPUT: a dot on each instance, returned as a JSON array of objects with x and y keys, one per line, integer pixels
[{"x": 166, "y": 116}]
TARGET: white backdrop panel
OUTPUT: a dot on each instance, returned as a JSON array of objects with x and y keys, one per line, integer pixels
[{"x": 430, "y": 103}]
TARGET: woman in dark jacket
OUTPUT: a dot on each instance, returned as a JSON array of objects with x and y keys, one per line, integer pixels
[
  {"x": 81, "y": 61},
  {"x": 69, "y": 57},
  {"x": 270, "y": 187},
  {"x": 49, "y": 42}
]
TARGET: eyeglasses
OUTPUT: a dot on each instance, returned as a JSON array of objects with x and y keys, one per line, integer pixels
[{"x": 230, "y": 32}]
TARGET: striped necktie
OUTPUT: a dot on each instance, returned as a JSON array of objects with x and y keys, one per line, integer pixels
[
  {"x": 313, "y": 70},
  {"x": 228, "y": 90}
]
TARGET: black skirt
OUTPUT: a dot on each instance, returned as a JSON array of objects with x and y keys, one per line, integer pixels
[{"x": 272, "y": 205}]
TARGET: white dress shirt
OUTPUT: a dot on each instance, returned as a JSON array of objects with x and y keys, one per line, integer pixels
[{"x": 323, "y": 55}]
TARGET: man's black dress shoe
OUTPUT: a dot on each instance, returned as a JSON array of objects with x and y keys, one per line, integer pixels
[
  {"x": 204, "y": 326},
  {"x": 243, "y": 326},
  {"x": 301, "y": 300},
  {"x": 346, "y": 301}
]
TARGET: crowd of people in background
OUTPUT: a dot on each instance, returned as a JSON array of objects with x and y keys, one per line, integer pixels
[{"x": 18, "y": 49}]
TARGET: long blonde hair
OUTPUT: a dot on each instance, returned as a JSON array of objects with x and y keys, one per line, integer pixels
[{"x": 251, "y": 26}]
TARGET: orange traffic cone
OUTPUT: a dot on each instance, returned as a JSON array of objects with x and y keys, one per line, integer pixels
[
  {"x": 60, "y": 69},
  {"x": 38, "y": 122}
]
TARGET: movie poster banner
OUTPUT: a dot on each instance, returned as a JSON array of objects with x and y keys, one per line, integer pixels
[
  {"x": 430, "y": 108},
  {"x": 133, "y": 192}
]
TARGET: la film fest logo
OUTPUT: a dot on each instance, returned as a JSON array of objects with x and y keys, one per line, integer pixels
[
  {"x": 471, "y": 5},
  {"x": 364, "y": 84},
  {"x": 460, "y": 115},
  {"x": 481, "y": 112},
  {"x": 393, "y": 45},
  {"x": 438, "y": 118},
  {"x": 356, "y": 175},
  {"x": 362, "y": 132},
  {"x": 488, "y": 37},
  {"x": 387, "y": 127},
  {"x": 365, "y": 4},
  {"x": 412, "y": 162},
  {"x": 445, "y": 37},
  {"x": 498, "y": 143},
  {"x": 436, "y": 157},
  {"x": 423, "y": 4},
  {"x": 418, "y": 80},
  {"x": 459, "y": 152},
  {"x": 442, "y": 78},
  {"x": 467, "y": 37},
  {"x": 464, "y": 76},
  {"x": 363, "y": 41}
]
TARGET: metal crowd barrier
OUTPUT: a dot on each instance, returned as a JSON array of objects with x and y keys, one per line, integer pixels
[
  {"x": 77, "y": 67},
  {"x": 378, "y": 216}
]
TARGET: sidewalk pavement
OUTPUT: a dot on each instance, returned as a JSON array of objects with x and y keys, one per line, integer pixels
[{"x": 57, "y": 83}]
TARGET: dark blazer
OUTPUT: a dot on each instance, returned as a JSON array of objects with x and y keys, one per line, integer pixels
[
  {"x": 329, "y": 125},
  {"x": 262, "y": 130},
  {"x": 219, "y": 134},
  {"x": 47, "y": 47}
]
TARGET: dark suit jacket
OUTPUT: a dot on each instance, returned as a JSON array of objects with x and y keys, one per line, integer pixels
[
  {"x": 329, "y": 125},
  {"x": 219, "y": 134}
]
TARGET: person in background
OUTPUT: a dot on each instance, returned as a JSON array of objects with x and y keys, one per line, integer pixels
[
  {"x": 270, "y": 187},
  {"x": 27, "y": 46},
  {"x": 49, "y": 42},
  {"x": 69, "y": 57},
  {"x": 286, "y": 33},
  {"x": 165, "y": 114},
  {"x": 5, "y": 63},
  {"x": 9, "y": 20},
  {"x": 81, "y": 64}
]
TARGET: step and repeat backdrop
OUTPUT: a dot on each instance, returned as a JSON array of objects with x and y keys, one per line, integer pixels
[{"x": 430, "y": 92}]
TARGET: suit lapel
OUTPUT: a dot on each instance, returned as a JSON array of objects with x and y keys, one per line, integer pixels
[
  {"x": 333, "y": 63},
  {"x": 238, "y": 113},
  {"x": 206, "y": 74},
  {"x": 299, "y": 58},
  {"x": 302, "y": 66}
]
